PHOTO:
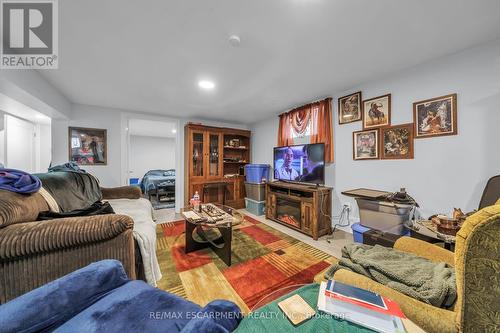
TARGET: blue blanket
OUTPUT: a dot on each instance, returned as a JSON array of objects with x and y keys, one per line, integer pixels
[{"x": 19, "y": 181}]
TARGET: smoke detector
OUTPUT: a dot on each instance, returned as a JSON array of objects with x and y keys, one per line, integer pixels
[{"x": 234, "y": 40}]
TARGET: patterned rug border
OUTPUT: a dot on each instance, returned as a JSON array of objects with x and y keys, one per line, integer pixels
[{"x": 267, "y": 263}]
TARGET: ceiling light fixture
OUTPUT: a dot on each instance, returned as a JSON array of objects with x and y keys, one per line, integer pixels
[
  {"x": 174, "y": 130},
  {"x": 205, "y": 84},
  {"x": 234, "y": 40}
]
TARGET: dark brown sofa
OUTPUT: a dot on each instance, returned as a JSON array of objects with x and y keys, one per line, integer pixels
[{"x": 33, "y": 253}]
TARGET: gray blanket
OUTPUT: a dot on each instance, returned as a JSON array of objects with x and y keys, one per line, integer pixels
[
  {"x": 417, "y": 277},
  {"x": 71, "y": 190}
]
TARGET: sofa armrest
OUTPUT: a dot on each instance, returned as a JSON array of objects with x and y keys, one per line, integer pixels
[
  {"x": 55, "y": 302},
  {"x": 123, "y": 192},
  {"x": 425, "y": 250},
  {"x": 31, "y": 238}
]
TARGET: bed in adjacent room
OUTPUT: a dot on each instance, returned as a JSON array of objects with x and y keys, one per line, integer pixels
[{"x": 159, "y": 187}]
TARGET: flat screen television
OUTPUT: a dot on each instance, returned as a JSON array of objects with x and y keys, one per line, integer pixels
[{"x": 300, "y": 163}]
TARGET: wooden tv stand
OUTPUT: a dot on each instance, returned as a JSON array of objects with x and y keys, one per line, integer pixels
[{"x": 305, "y": 208}]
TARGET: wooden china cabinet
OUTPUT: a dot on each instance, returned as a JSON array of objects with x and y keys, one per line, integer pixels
[{"x": 215, "y": 155}]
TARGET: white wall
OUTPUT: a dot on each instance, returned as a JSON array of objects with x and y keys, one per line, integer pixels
[
  {"x": 2, "y": 138},
  {"x": 41, "y": 144},
  {"x": 149, "y": 153},
  {"x": 264, "y": 138},
  {"x": 20, "y": 151},
  {"x": 92, "y": 117},
  {"x": 31, "y": 90},
  {"x": 448, "y": 171},
  {"x": 116, "y": 123},
  {"x": 44, "y": 147}
]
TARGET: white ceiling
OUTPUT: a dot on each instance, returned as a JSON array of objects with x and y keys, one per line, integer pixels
[
  {"x": 13, "y": 107},
  {"x": 149, "y": 55}
]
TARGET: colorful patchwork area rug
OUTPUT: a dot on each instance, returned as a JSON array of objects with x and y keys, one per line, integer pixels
[{"x": 266, "y": 264}]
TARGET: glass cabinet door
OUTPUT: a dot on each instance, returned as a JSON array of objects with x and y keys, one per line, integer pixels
[
  {"x": 197, "y": 154},
  {"x": 214, "y": 166}
]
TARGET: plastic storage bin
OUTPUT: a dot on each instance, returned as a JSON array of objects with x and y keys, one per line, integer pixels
[
  {"x": 255, "y": 207},
  {"x": 256, "y": 192},
  {"x": 257, "y": 173},
  {"x": 133, "y": 181},
  {"x": 384, "y": 216},
  {"x": 357, "y": 232}
]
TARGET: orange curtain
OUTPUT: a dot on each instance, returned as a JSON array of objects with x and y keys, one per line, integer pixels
[
  {"x": 284, "y": 130},
  {"x": 323, "y": 126},
  {"x": 319, "y": 114},
  {"x": 300, "y": 119}
]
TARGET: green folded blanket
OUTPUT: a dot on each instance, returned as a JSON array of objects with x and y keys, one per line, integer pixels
[{"x": 417, "y": 277}]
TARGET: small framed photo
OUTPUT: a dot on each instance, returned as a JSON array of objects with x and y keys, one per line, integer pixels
[
  {"x": 88, "y": 146},
  {"x": 396, "y": 142},
  {"x": 365, "y": 145},
  {"x": 377, "y": 112},
  {"x": 435, "y": 117},
  {"x": 350, "y": 108}
]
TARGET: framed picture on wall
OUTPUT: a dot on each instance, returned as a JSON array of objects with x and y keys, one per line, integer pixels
[
  {"x": 350, "y": 108},
  {"x": 377, "y": 112},
  {"x": 365, "y": 145},
  {"x": 435, "y": 117},
  {"x": 396, "y": 142},
  {"x": 88, "y": 146}
]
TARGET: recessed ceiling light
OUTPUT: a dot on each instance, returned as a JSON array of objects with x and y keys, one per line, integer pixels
[
  {"x": 205, "y": 84},
  {"x": 174, "y": 131},
  {"x": 234, "y": 40}
]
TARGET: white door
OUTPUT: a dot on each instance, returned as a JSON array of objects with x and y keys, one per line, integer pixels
[{"x": 19, "y": 143}]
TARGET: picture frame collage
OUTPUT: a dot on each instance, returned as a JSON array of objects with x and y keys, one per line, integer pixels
[{"x": 379, "y": 139}]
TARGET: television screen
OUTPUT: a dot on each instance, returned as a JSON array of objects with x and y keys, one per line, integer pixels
[{"x": 300, "y": 163}]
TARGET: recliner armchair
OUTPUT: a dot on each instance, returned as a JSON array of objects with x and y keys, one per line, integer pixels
[
  {"x": 477, "y": 268},
  {"x": 491, "y": 192}
]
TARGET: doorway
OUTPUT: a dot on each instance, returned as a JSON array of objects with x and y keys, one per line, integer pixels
[
  {"x": 152, "y": 163},
  {"x": 25, "y": 145}
]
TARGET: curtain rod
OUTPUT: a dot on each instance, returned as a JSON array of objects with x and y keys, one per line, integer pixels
[{"x": 305, "y": 105}]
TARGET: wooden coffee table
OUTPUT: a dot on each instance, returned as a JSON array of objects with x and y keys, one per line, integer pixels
[{"x": 217, "y": 236}]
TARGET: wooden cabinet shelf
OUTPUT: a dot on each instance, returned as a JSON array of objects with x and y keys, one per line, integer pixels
[
  {"x": 235, "y": 148},
  {"x": 205, "y": 150}
]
